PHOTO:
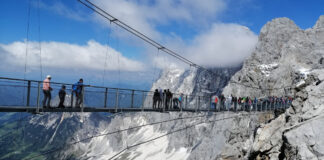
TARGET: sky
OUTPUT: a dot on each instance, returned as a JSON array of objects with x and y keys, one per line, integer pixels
[{"x": 67, "y": 40}]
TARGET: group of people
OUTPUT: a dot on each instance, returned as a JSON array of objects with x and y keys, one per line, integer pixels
[
  {"x": 165, "y": 99},
  {"x": 246, "y": 103},
  {"x": 76, "y": 90}
]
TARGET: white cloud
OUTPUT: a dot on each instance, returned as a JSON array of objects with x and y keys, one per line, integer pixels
[
  {"x": 219, "y": 44},
  {"x": 222, "y": 45},
  {"x": 144, "y": 15},
  {"x": 216, "y": 44},
  {"x": 67, "y": 56}
]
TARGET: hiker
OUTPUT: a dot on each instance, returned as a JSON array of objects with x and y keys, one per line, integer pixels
[
  {"x": 234, "y": 101},
  {"x": 255, "y": 104},
  {"x": 77, "y": 90},
  {"x": 250, "y": 104},
  {"x": 214, "y": 102},
  {"x": 229, "y": 102},
  {"x": 156, "y": 98},
  {"x": 175, "y": 101},
  {"x": 47, "y": 91},
  {"x": 180, "y": 100},
  {"x": 160, "y": 104},
  {"x": 168, "y": 99},
  {"x": 62, "y": 94},
  {"x": 239, "y": 101},
  {"x": 222, "y": 100},
  {"x": 164, "y": 102}
]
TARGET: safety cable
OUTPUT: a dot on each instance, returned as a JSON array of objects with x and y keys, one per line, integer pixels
[
  {"x": 39, "y": 42},
  {"x": 171, "y": 132},
  {"x": 114, "y": 132}
]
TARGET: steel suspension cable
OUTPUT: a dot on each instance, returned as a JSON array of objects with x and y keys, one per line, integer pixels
[
  {"x": 39, "y": 42},
  {"x": 114, "y": 132},
  {"x": 107, "y": 52},
  {"x": 171, "y": 132},
  {"x": 138, "y": 34}
]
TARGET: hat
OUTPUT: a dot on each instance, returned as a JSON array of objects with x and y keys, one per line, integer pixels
[{"x": 48, "y": 76}]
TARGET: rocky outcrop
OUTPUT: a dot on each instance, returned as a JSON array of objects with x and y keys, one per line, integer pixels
[
  {"x": 283, "y": 56},
  {"x": 287, "y": 61},
  {"x": 194, "y": 82}
]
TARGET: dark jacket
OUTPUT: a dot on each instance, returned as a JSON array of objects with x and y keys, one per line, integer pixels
[
  {"x": 156, "y": 96},
  {"x": 62, "y": 94},
  {"x": 77, "y": 87}
]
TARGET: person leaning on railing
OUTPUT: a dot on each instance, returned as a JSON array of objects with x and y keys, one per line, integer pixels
[
  {"x": 62, "y": 94},
  {"x": 47, "y": 91},
  {"x": 77, "y": 90}
]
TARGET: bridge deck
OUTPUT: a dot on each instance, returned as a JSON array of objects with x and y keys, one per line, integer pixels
[{"x": 88, "y": 109}]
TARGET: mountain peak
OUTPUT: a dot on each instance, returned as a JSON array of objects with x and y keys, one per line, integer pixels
[{"x": 319, "y": 23}]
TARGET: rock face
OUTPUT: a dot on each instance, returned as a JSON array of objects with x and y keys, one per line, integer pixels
[
  {"x": 287, "y": 61},
  {"x": 283, "y": 56},
  {"x": 194, "y": 82}
]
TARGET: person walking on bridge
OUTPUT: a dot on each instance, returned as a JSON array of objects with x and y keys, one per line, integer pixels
[
  {"x": 168, "y": 99},
  {"x": 77, "y": 88},
  {"x": 62, "y": 94},
  {"x": 214, "y": 102},
  {"x": 156, "y": 97},
  {"x": 160, "y": 104},
  {"x": 47, "y": 91}
]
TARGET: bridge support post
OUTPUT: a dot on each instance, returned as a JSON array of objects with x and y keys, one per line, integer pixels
[
  {"x": 196, "y": 104},
  {"x": 117, "y": 99},
  {"x": 210, "y": 102},
  {"x": 132, "y": 99},
  {"x": 28, "y": 93},
  {"x": 38, "y": 96},
  {"x": 186, "y": 101},
  {"x": 106, "y": 95},
  {"x": 82, "y": 104},
  {"x": 72, "y": 97},
  {"x": 143, "y": 101},
  {"x": 181, "y": 103}
]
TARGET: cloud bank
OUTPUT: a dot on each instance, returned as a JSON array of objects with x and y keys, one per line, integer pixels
[
  {"x": 67, "y": 56},
  {"x": 218, "y": 44},
  {"x": 222, "y": 45},
  {"x": 213, "y": 44}
]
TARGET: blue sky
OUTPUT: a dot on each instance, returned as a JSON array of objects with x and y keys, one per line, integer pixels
[{"x": 68, "y": 29}]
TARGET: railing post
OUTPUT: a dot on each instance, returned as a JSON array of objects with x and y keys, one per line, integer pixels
[
  {"x": 28, "y": 94},
  {"x": 143, "y": 99},
  {"x": 38, "y": 96},
  {"x": 181, "y": 103},
  {"x": 186, "y": 101},
  {"x": 196, "y": 104},
  {"x": 117, "y": 99},
  {"x": 261, "y": 107},
  {"x": 106, "y": 95},
  {"x": 82, "y": 98},
  {"x": 132, "y": 99},
  {"x": 72, "y": 97},
  {"x": 210, "y": 103}
]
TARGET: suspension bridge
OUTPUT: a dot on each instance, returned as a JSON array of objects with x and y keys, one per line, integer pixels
[{"x": 22, "y": 95}]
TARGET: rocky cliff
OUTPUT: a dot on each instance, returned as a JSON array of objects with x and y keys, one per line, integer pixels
[
  {"x": 287, "y": 61},
  {"x": 283, "y": 56}
]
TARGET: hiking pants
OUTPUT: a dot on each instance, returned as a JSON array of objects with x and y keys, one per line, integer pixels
[{"x": 47, "y": 97}]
